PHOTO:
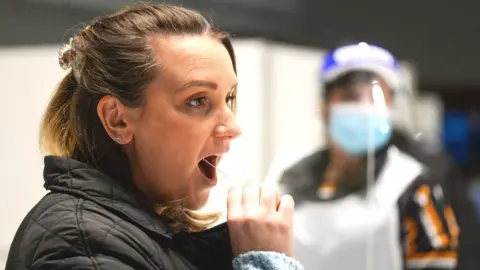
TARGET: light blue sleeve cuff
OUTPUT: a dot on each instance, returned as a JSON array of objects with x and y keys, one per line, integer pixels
[{"x": 265, "y": 260}]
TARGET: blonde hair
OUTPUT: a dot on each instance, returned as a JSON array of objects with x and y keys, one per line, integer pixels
[{"x": 112, "y": 57}]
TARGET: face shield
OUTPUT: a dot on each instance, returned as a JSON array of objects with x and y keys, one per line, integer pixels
[
  {"x": 360, "y": 117},
  {"x": 351, "y": 225},
  {"x": 361, "y": 124}
]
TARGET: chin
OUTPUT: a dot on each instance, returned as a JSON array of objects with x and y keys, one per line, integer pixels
[{"x": 199, "y": 200}]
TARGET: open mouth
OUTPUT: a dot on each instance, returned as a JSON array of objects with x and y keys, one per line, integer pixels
[{"x": 208, "y": 167}]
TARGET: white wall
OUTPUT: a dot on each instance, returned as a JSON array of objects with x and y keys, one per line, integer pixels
[
  {"x": 278, "y": 109},
  {"x": 429, "y": 119},
  {"x": 28, "y": 75},
  {"x": 403, "y": 106},
  {"x": 295, "y": 99}
]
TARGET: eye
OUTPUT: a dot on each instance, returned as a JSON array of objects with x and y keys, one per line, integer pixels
[
  {"x": 198, "y": 102},
  {"x": 231, "y": 100}
]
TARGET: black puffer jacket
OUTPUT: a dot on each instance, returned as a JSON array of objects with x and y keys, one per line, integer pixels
[{"x": 88, "y": 221}]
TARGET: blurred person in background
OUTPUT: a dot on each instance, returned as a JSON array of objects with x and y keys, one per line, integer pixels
[
  {"x": 135, "y": 130},
  {"x": 372, "y": 199}
]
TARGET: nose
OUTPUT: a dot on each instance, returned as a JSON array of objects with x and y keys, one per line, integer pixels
[{"x": 229, "y": 129}]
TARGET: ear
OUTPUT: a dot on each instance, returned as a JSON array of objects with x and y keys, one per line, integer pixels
[{"x": 111, "y": 112}]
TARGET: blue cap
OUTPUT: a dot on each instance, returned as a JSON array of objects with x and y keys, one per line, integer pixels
[{"x": 361, "y": 56}]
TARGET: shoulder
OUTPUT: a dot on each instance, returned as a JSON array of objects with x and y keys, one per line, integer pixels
[
  {"x": 56, "y": 216},
  {"x": 70, "y": 218},
  {"x": 301, "y": 179},
  {"x": 439, "y": 166},
  {"x": 285, "y": 159},
  {"x": 426, "y": 199},
  {"x": 305, "y": 165},
  {"x": 49, "y": 229},
  {"x": 438, "y": 172}
]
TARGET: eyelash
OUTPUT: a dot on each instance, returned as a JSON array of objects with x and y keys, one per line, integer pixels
[
  {"x": 204, "y": 100},
  {"x": 231, "y": 100}
]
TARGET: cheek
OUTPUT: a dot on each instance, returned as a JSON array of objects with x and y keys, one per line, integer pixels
[{"x": 174, "y": 140}]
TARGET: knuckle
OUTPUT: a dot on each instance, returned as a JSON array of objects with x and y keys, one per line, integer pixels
[
  {"x": 279, "y": 225},
  {"x": 271, "y": 224},
  {"x": 246, "y": 219},
  {"x": 250, "y": 220},
  {"x": 235, "y": 217},
  {"x": 252, "y": 212}
]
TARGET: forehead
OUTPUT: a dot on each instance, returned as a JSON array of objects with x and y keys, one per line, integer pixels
[
  {"x": 360, "y": 90},
  {"x": 183, "y": 58}
]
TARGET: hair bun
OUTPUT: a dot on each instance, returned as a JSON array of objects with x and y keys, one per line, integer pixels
[{"x": 66, "y": 55}]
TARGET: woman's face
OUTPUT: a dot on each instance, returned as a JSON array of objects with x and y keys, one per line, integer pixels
[{"x": 187, "y": 117}]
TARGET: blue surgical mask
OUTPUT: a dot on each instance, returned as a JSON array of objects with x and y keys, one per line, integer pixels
[{"x": 357, "y": 128}]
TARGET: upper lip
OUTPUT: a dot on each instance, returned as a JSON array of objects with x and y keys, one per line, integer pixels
[
  {"x": 214, "y": 154},
  {"x": 217, "y": 154},
  {"x": 216, "y": 159}
]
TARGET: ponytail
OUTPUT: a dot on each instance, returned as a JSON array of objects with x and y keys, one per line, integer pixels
[{"x": 57, "y": 136}]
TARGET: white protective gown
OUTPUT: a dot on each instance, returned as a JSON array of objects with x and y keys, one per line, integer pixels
[{"x": 357, "y": 232}]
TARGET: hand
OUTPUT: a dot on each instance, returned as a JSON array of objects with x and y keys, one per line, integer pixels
[{"x": 259, "y": 221}]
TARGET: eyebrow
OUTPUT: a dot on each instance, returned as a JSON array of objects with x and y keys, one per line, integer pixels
[{"x": 201, "y": 83}]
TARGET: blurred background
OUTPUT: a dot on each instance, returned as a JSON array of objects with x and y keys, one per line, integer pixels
[{"x": 279, "y": 44}]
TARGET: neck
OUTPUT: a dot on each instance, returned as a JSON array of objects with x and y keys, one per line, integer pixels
[{"x": 341, "y": 164}]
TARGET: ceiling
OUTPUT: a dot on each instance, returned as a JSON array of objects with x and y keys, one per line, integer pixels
[{"x": 440, "y": 37}]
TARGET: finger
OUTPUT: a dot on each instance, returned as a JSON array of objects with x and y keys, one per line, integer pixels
[
  {"x": 286, "y": 207},
  {"x": 268, "y": 200},
  {"x": 277, "y": 202},
  {"x": 250, "y": 199},
  {"x": 234, "y": 203}
]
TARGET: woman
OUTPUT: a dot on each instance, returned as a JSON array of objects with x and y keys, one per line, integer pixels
[
  {"x": 135, "y": 129},
  {"x": 371, "y": 196}
]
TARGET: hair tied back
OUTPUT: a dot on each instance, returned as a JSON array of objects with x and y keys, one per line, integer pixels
[{"x": 66, "y": 55}]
